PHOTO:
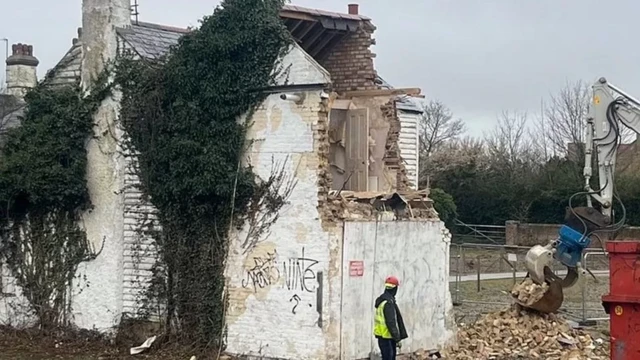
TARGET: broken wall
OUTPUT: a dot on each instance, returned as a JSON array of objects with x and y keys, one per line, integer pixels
[
  {"x": 282, "y": 299},
  {"x": 365, "y": 145},
  {"x": 283, "y": 286}
]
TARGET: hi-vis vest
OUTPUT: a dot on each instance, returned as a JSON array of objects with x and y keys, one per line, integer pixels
[{"x": 380, "y": 325}]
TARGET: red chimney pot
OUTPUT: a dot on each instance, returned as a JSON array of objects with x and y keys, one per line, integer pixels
[{"x": 353, "y": 9}]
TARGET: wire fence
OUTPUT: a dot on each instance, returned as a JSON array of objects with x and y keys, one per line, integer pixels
[{"x": 482, "y": 276}]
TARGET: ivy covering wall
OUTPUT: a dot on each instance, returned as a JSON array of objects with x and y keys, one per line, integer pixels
[
  {"x": 43, "y": 193},
  {"x": 183, "y": 116}
]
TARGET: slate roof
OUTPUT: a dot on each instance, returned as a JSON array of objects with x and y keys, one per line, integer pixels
[
  {"x": 409, "y": 104},
  {"x": 404, "y": 103},
  {"x": 68, "y": 69},
  {"x": 151, "y": 41}
]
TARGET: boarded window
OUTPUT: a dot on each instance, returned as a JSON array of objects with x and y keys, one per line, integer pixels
[{"x": 357, "y": 149}]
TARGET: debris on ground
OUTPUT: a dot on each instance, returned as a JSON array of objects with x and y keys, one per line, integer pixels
[
  {"x": 528, "y": 293},
  {"x": 519, "y": 333}
]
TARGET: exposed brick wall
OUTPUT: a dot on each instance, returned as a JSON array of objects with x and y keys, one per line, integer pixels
[
  {"x": 350, "y": 63},
  {"x": 392, "y": 156}
]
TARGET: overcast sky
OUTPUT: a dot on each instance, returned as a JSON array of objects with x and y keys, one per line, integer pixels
[{"x": 477, "y": 56}]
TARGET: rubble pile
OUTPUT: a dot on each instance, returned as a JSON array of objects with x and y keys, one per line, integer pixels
[
  {"x": 367, "y": 204},
  {"x": 517, "y": 333},
  {"x": 527, "y": 292},
  {"x": 522, "y": 333}
]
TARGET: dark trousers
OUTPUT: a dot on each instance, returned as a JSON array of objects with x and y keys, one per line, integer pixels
[{"x": 387, "y": 348}]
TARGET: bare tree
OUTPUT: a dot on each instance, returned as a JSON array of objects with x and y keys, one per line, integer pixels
[
  {"x": 565, "y": 117},
  {"x": 563, "y": 127},
  {"x": 438, "y": 126},
  {"x": 507, "y": 142},
  {"x": 456, "y": 153}
]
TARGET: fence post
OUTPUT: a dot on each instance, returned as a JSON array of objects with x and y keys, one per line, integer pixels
[
  {"x": 464, "y": 262},
  {"x": 478, "y": 267},
  {"x": 458, "y": 275}
]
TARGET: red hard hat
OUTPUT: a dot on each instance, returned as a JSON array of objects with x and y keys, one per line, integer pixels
[{"x": 391, "y": 280}]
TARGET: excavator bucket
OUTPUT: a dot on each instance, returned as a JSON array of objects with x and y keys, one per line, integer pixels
[
  {"x": 550, "y": 302},
  {"x": 537, "y": 259}
]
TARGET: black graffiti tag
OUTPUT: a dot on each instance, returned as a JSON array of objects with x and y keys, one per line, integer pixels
[
  {"x": 264, "y": 273},
  {"x": 299, "y": 273},
  {"x": 297, "y": 299}
]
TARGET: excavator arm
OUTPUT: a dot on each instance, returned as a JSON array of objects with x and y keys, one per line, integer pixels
[{"x": 609, "y": 111}]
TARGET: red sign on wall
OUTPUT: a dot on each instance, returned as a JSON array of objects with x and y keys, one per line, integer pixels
[{"x": 356, "y": 268}]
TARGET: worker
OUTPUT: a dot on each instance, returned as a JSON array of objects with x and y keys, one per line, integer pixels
[{"x": 389, "y": 327}]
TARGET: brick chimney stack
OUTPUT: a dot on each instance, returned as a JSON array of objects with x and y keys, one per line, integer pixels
[
  {"x": 21, "y": 70},
  {"x": 353, "y": 9}
]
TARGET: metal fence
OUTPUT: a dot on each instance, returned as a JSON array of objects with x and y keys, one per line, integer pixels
[
  {"x": 479, "y": 234},
  {"x": 482, "y": 275}
]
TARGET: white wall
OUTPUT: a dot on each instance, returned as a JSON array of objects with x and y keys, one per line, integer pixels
[
  {"x": 99, "y": 305},
  {"x": 417, "y": 253},
  {"x": 408, "y": 143},
  {"x": 273, "y": 287}
]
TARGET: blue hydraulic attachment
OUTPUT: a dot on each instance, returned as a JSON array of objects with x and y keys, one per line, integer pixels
[{"x": 570, "y": 246}]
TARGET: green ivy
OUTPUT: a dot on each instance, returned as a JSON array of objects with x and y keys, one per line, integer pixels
[
  {"x": 43, "y": 191},
  {"x": 445, "y": 206},
  {"x": 182, "y": 116}
]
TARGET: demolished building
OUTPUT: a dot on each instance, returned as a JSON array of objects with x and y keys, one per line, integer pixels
[{"x": 354, "y": 216}]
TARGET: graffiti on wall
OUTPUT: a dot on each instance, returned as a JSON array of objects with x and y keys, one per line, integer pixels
[
  {"x": 298, "y": 275},
  {"x": 263, "y": 273}
]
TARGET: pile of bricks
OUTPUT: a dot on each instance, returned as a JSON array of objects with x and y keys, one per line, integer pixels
[{"x": 516, "y": 333}]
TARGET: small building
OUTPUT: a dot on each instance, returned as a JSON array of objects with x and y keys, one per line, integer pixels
[{"x": 304, "y": 289}]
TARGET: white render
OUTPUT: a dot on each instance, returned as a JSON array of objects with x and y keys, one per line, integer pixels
[
  {"x": 20, "y": 78},
  {"x": 417, "y": 253},
  {"x": 98, "y": 305}
]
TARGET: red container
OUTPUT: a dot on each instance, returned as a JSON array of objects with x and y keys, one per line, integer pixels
[{"x": 623, "y": 301}]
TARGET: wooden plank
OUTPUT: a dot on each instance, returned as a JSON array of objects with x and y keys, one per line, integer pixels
[
  {"x": 357, "y": 149},
  {"x": 296, "y": 15},
  {"x": 383, "y": 92}
]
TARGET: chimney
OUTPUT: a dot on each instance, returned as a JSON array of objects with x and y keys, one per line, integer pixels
[
  {"x": 100, "y": 19},
  {"x": 353, "y": 9},
  {"x": 21, "y": 70}
]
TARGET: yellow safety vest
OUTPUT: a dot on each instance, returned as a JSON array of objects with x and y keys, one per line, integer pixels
[{"x": 380, "y": 325}]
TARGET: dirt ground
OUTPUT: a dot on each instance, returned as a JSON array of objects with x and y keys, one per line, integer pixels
[{"x": 30, "y": 345}]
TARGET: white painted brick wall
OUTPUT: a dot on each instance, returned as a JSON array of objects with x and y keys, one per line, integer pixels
[{"x": 273, "y": 288}]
